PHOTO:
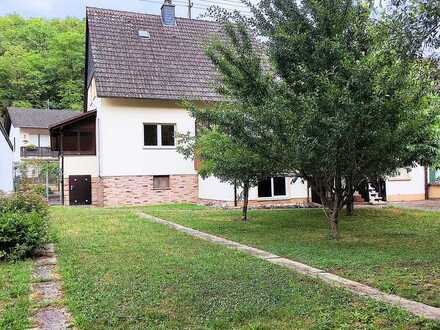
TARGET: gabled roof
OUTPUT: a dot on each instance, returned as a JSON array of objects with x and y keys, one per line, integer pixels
[
  {"x": 170, "y": 65},
  {"x": 73, "y": 120},
  {"x": 38, "y": 118}
]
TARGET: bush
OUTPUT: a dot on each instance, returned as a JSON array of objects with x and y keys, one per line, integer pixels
[
  {"x": 20, "y": 233},
  {"x": 24, "y": 202},
  {"x": 23, "y": 224}
]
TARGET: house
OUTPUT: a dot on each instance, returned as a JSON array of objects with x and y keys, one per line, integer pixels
[
  {"x": 28, "y": 131},
  {"x": 6, "y": 172},
  {"x": 122, "y": 149}
]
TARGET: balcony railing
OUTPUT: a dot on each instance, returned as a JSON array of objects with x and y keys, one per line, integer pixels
[{"x": 39, "y": 152}]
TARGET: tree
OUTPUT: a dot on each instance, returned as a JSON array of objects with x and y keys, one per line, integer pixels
[
  {"x": 352, "y": 107},
  {"x": 220, "y": 156},
  {"x": 234, "y": 142},
  {"x": 41, "y": 62}
]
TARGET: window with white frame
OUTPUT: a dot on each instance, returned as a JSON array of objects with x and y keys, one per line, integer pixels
[
  {"x": 159, "y": 135},
  {"x": 272, "y": 187}
]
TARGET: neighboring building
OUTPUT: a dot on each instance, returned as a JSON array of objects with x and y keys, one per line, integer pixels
[
  {"x": 434, "y": 183},
  {"x": 28, "y": 131},
  {"x": 6, "y": 171},
  {"x": 122, "y": 149}
]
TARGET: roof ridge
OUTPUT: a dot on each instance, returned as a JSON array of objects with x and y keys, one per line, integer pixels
[{"x": 147, "y": 14}]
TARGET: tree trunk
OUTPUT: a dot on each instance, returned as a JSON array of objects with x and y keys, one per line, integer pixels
[
  {"x": 245, "y": 201},
  {"x": 334, "y": 226},
  {"x": 350, "y": 204}
]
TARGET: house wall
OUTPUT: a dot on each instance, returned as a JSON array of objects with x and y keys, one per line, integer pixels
[
  {"x": 407, "y": 186},
  {"x": 80, "y": 165},
  {"x": 121, "y": 137},
  {"x": 214, "y": 192},
  {"x": 6, "y": 170}
]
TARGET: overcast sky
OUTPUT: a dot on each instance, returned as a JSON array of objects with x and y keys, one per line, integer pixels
[{"x": 63, "y": 8}]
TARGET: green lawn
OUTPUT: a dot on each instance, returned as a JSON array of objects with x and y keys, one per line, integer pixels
[
  {"x": 14, "y": 294},
  {"x": 397, "y": 251},
  {"x": 122, "y": 272}
]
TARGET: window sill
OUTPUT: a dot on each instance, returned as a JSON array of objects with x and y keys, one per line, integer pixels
[
  {"x": 159, "y": 189},
  {"x": 274, "y": 198},
  {"x": 159, "y": 148}
]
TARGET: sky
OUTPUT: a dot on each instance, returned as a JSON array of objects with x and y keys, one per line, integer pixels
[{"x": 76, "y": 8}]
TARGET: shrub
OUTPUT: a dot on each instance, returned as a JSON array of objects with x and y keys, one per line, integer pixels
[
  {"x": 24, "y": 202},
  {"x": 23, "y": 224},
  {"x": 20, "y": 233}
]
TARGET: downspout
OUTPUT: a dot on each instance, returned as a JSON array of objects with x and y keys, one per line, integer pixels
[
  {"x": 235, "y": 195},
  {"x": 62, "y": 166},
  {"x": 426, "y": 182}
]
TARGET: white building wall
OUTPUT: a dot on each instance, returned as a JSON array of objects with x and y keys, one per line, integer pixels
[
  {"x": 80, "y": 165},
  {"x": 6, "y": 171},
  {"x": 407, "y": 186},
  {"x": 213, "y": 189},
  {"x": 121, "y": 138}
]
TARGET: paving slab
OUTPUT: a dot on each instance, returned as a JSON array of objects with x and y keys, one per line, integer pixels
[
  {"x": 47, "y": 291},
  {"x": 52, "y": 318},
  {"x": 413, "y": 307},
  {"x": 44, "y": 273}
]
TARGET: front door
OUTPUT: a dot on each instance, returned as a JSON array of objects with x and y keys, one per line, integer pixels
[{"x": 80, "y": 190}]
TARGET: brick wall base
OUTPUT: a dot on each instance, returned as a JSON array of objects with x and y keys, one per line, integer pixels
[{"x": 138, "y": 190}]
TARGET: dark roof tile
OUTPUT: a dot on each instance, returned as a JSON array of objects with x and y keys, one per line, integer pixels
[
  {"x": 38, "y": 118},
  {"x": 170, "y": 65}
]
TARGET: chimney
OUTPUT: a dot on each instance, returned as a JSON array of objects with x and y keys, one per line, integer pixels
[{"x": 168, "y": 13}]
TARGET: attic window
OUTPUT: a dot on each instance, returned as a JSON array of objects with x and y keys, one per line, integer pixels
[{"x": 144, "y": 34}]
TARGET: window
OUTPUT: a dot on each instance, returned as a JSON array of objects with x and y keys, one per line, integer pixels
[
  {"x": 161, "y": 182},
  {"x": 272, "y": 187},
  {"x": 159, "y": 135},
  {"x": 150, "y": 135}
]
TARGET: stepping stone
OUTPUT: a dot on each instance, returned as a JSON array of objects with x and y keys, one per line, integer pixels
[
  {"x": 52, "y": 318},
  {"x": 43, "y": 261},
  {"x": 44, "y": 273},
  {"x": 47, "y": 250},
  {"x": 46, "y": 291}
]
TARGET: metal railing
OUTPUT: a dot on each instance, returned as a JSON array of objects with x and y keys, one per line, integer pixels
[{"x": 40, "y": 152}]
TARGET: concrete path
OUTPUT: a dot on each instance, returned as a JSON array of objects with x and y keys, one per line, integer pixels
[
  {"x": 429, "y": 205},
  {"x": 47, "y": 294},
  {"x": 413, "y": 307}
]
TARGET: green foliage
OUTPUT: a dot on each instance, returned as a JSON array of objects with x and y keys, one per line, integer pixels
[
  {"x": 23, "y": 224},
  {"x": 24, "y": 202},
  {"x": 40, "y": 61},
  {"x": 20, "y": 233},
  {"x": 347, "y": 106},
  {"x": 235, "y": 141}
]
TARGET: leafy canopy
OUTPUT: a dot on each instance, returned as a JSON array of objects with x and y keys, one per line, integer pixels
[{"x": 41, "y": 62}]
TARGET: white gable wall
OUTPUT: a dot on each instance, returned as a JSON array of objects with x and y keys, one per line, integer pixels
[
  {"x": 6, "y": 171},
  {"x": 121, "y": 138}
]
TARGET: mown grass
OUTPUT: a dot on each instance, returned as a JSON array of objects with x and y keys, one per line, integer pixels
[
  {"x": 122, "y": 272},
  {"x": 395, "y": 250},
  {"x": 14, "y": 294}
]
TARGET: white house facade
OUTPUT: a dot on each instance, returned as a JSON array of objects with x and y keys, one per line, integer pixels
[{"x": 6, "y": 153}]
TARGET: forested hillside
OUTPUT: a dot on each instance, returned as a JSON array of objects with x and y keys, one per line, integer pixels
[{"x": 41, "y": 62}]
